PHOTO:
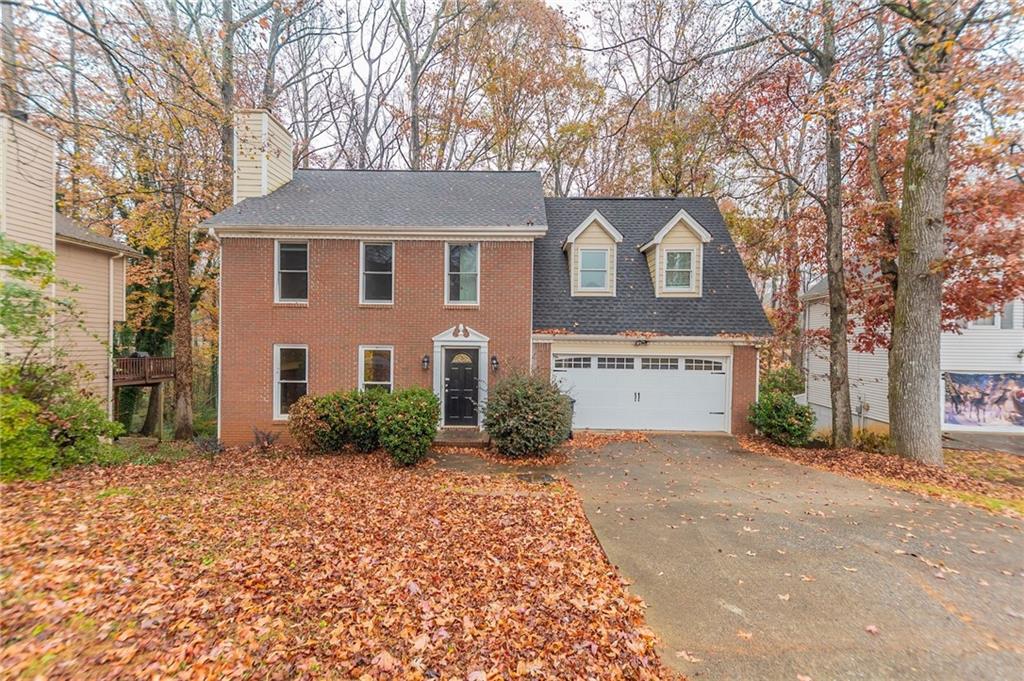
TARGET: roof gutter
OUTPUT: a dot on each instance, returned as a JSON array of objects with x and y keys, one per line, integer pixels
[
  {"x": 127, "y": 252},
  {"x": 378, "y": 231},
  {"x": 725, "y": 340}
]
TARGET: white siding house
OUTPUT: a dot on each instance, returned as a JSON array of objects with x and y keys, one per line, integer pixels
[{"x": 982, "y": 373}]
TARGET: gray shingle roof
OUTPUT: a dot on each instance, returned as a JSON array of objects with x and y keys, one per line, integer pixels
[
  {"x": 728, "y": 304},
  {"x": 394, "y": 198},
  {"x": 67, "y": 228},
  {"x": 819, "y": 289}
]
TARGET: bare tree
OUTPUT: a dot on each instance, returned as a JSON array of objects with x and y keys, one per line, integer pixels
[{"x": 418, "y": 30}]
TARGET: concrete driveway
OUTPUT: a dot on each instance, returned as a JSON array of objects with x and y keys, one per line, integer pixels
[{"x": 755, "y": 568}]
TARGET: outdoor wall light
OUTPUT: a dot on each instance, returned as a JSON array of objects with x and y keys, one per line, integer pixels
[
  {"x": 426, "y": 362},
  {"x": 494, "y": 362}
]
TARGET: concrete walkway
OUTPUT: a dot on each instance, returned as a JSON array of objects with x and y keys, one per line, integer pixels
[{"x": 756, "y": 568}]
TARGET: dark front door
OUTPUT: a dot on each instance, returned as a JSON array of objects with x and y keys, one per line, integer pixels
[{"x": 460, "y": 379}]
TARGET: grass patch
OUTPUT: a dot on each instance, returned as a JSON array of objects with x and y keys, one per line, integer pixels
[
  {"x": 121, "y": 453},
  {"x": 117, "y": 492}
]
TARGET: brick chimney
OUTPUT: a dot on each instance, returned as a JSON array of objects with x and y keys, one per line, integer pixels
[{"x": 263, "y": 154}]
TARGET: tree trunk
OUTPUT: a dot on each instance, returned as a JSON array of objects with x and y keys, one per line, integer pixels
[
  {"x": 149, "y": 426},
  {"x": 915, "y": 421},
  {"x": 12, "y": 100},
  {"x": 227, "y": 83},
  {"x": 414, "y": 115},
  {"x": 182, "y": 328},
  {"x": 838, "y": 375}
]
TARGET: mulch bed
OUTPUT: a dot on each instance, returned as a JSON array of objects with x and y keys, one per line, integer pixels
[
  {"x": 871, "y": 466},
  {"x": 285, "y": 566}
]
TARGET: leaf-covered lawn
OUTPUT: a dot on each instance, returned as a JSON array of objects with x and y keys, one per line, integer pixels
[
  {"x": 291, "y": 566},
  {"x": 991, "y": 480}
]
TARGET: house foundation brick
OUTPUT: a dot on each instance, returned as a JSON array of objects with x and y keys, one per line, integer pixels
[{"x": 333, "y": 324}]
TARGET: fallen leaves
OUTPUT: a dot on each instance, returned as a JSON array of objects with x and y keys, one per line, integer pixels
[
  {"x": 308, "y": 567},
  {"x": 588, "y": 439},
  {"x": 982, "y": 479}
]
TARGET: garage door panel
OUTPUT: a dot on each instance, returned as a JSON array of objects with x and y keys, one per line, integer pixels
[{"x": 645, "y": 393}]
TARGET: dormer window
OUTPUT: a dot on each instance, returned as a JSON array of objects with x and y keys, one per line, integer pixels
[
  {"x": 593, "y": 269},
  {"x": 675, "y": 257},
  {"x": 679, "y": 269},
  {"x": 591, "y": 251}
]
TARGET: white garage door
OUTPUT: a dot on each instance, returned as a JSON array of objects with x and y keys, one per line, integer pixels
[{"x": 645, "y": 393}]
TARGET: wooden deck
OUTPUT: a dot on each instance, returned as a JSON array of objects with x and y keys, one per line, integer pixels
[{"x": 142, "y": 370}]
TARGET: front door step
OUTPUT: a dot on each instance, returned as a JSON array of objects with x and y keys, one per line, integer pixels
[{"x": 462, "y": 437}]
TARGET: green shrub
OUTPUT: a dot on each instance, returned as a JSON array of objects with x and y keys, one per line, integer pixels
[
  {"x": 527, "y": 415},
  {"x": 79, "y": 425},
  {"x": 786, "y": 380},
  {"x": 781, "y": 419},
  {"x": 320, "y": 424},
  {"x": 26, "y": 450},
  {"x": 870, "y": 441},
  {"x": 407, "y": 423},
  {"x": 334, "y": 411},
  {"x": 361, "y": 418},
  {"x": 306, "y": 426}
]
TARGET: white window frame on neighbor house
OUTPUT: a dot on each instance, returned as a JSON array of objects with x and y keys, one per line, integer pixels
[
  {"x": 607, "y": 271},
  {"x": 693, "y": 270},
  {"x": 448, "y": 278},
  {"x": 277, "y": 271},
  {"x": 391, "y": 366},
  {"x": 278, "y": 347},
  {"x": 362, "y": 273}
]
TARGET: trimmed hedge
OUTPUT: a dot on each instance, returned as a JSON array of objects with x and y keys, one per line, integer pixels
[
  {"x": 527, "y": 415},
  {"x": 407, "y": 423},
  {"x": 779, "y": 417},
  {"x": 403, "y": 423},
  {"x": 361, "y": 417}
]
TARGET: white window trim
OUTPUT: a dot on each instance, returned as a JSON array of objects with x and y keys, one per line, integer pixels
[
  {"x": 362, "y": 364},
  {"x": 362, "y": 272},
  {"x": 607, "y": 270},
  {"x": 447, "y": 273},
  {"x": 278, "y": 347},
  {"x": 277, "y": 273},
  {"x": 693, "y": 270}
]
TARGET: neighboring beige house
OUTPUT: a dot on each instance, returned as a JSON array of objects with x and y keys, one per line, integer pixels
[{"x": 93, "y": 264}]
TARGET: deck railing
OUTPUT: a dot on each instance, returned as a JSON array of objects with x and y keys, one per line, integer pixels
[{"x": 142, "y": 370}]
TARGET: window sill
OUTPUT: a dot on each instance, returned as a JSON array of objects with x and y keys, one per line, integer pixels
[
  {"x": 377, "y": 305},
  {"x": 462, "y": 306},
  {"x": 292, "y": 303}
]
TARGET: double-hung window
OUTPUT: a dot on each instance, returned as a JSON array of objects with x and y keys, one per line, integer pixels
[
  {"x": 377, "y": 276},
  {"x": 292, "y": 277},
  {"x": 291, "y": 372},
  {"x": 593, "y": 269},
  {"x": 462, "y": 274},
  {"x": 376, "y": 367},
  {"x": 679, "y": 270}
]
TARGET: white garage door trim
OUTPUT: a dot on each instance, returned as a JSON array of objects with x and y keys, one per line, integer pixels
[{"x": 610, "y": 406}]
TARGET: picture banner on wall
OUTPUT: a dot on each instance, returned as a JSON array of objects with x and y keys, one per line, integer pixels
[{"x": 984, "y": 399}]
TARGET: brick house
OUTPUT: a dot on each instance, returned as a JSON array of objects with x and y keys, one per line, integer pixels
[{"x": 335, "y": 279}]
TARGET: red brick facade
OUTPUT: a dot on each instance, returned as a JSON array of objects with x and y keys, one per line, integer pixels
[
  {"x": 744, "y": 387},
  {"x": 333, "y": 324}
]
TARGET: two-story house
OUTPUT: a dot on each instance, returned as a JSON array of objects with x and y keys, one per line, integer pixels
[
  {"x": 92, "y": 266},
  {"x": 336, "y": 279}
]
